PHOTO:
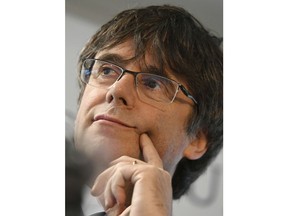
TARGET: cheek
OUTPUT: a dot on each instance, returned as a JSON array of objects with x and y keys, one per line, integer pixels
[
  {"x": 92, "y": 96},
  {"x": 169, "y": 139},
  {"x": 170, "y": 150}
]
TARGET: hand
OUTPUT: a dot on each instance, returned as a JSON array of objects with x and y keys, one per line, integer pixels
[{"x": 152, "y": 192}]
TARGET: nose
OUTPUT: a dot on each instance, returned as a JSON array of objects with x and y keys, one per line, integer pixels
[{"x": 123, "y": 91}]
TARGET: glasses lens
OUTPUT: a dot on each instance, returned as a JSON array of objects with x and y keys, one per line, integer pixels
[
  {"x": 150, "y": 87},
  {"x": 156, "y": 88},
  {"x": 99, "y": 73}
]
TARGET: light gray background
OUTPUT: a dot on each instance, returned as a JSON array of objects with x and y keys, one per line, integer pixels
[{"x": 83, "y": 18}]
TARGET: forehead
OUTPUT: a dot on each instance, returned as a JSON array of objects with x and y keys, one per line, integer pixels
[{"x": 124, "y": 50}]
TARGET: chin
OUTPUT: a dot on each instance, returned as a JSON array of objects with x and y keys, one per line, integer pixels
[{"x": 111, "y": 148}]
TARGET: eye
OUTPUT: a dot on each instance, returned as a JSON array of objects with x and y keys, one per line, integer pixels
[
  {"x": 151, "y": 83},
  {"x": 106, "y": 71}
]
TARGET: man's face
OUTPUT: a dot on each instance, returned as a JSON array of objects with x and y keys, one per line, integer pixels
[{"x": 110, "y": 120}]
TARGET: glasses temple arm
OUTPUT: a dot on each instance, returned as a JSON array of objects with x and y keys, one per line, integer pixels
[{"x": 187, "y": 93}]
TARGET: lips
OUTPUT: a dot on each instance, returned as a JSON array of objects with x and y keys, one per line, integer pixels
[{"x": 111, "y": 119}]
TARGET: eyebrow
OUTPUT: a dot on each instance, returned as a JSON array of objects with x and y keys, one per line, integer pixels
[
  {"x": 113, "y": 58},
  {"x": 119, "y": 60}
]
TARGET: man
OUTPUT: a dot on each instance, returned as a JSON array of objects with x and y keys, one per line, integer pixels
[{"x": 150, "y": 109}]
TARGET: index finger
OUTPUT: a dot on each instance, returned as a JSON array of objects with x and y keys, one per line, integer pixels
[{"x": 150, "y": 153}]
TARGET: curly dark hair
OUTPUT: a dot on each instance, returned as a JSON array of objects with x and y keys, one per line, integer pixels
[{"x": 179, "y": 42}]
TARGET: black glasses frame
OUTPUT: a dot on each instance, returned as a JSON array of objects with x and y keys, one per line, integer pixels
[{"x": 134, "y": 73}]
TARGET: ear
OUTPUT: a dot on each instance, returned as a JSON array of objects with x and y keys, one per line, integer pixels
[{"x": 197, "y": 147}]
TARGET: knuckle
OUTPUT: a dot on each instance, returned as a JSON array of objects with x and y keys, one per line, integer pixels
[
  {"x": 118, "y": 166},
  {"x": 124, "y": 158}
]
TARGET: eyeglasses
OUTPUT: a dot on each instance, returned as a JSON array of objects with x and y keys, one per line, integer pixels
[{"x": 150, "y": 88}]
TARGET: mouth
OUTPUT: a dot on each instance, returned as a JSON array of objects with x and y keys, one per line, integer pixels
[{"x": 111, "y": 120}]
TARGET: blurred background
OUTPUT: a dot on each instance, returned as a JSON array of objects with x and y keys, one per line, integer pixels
[{"x": 83, "y": 18}]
